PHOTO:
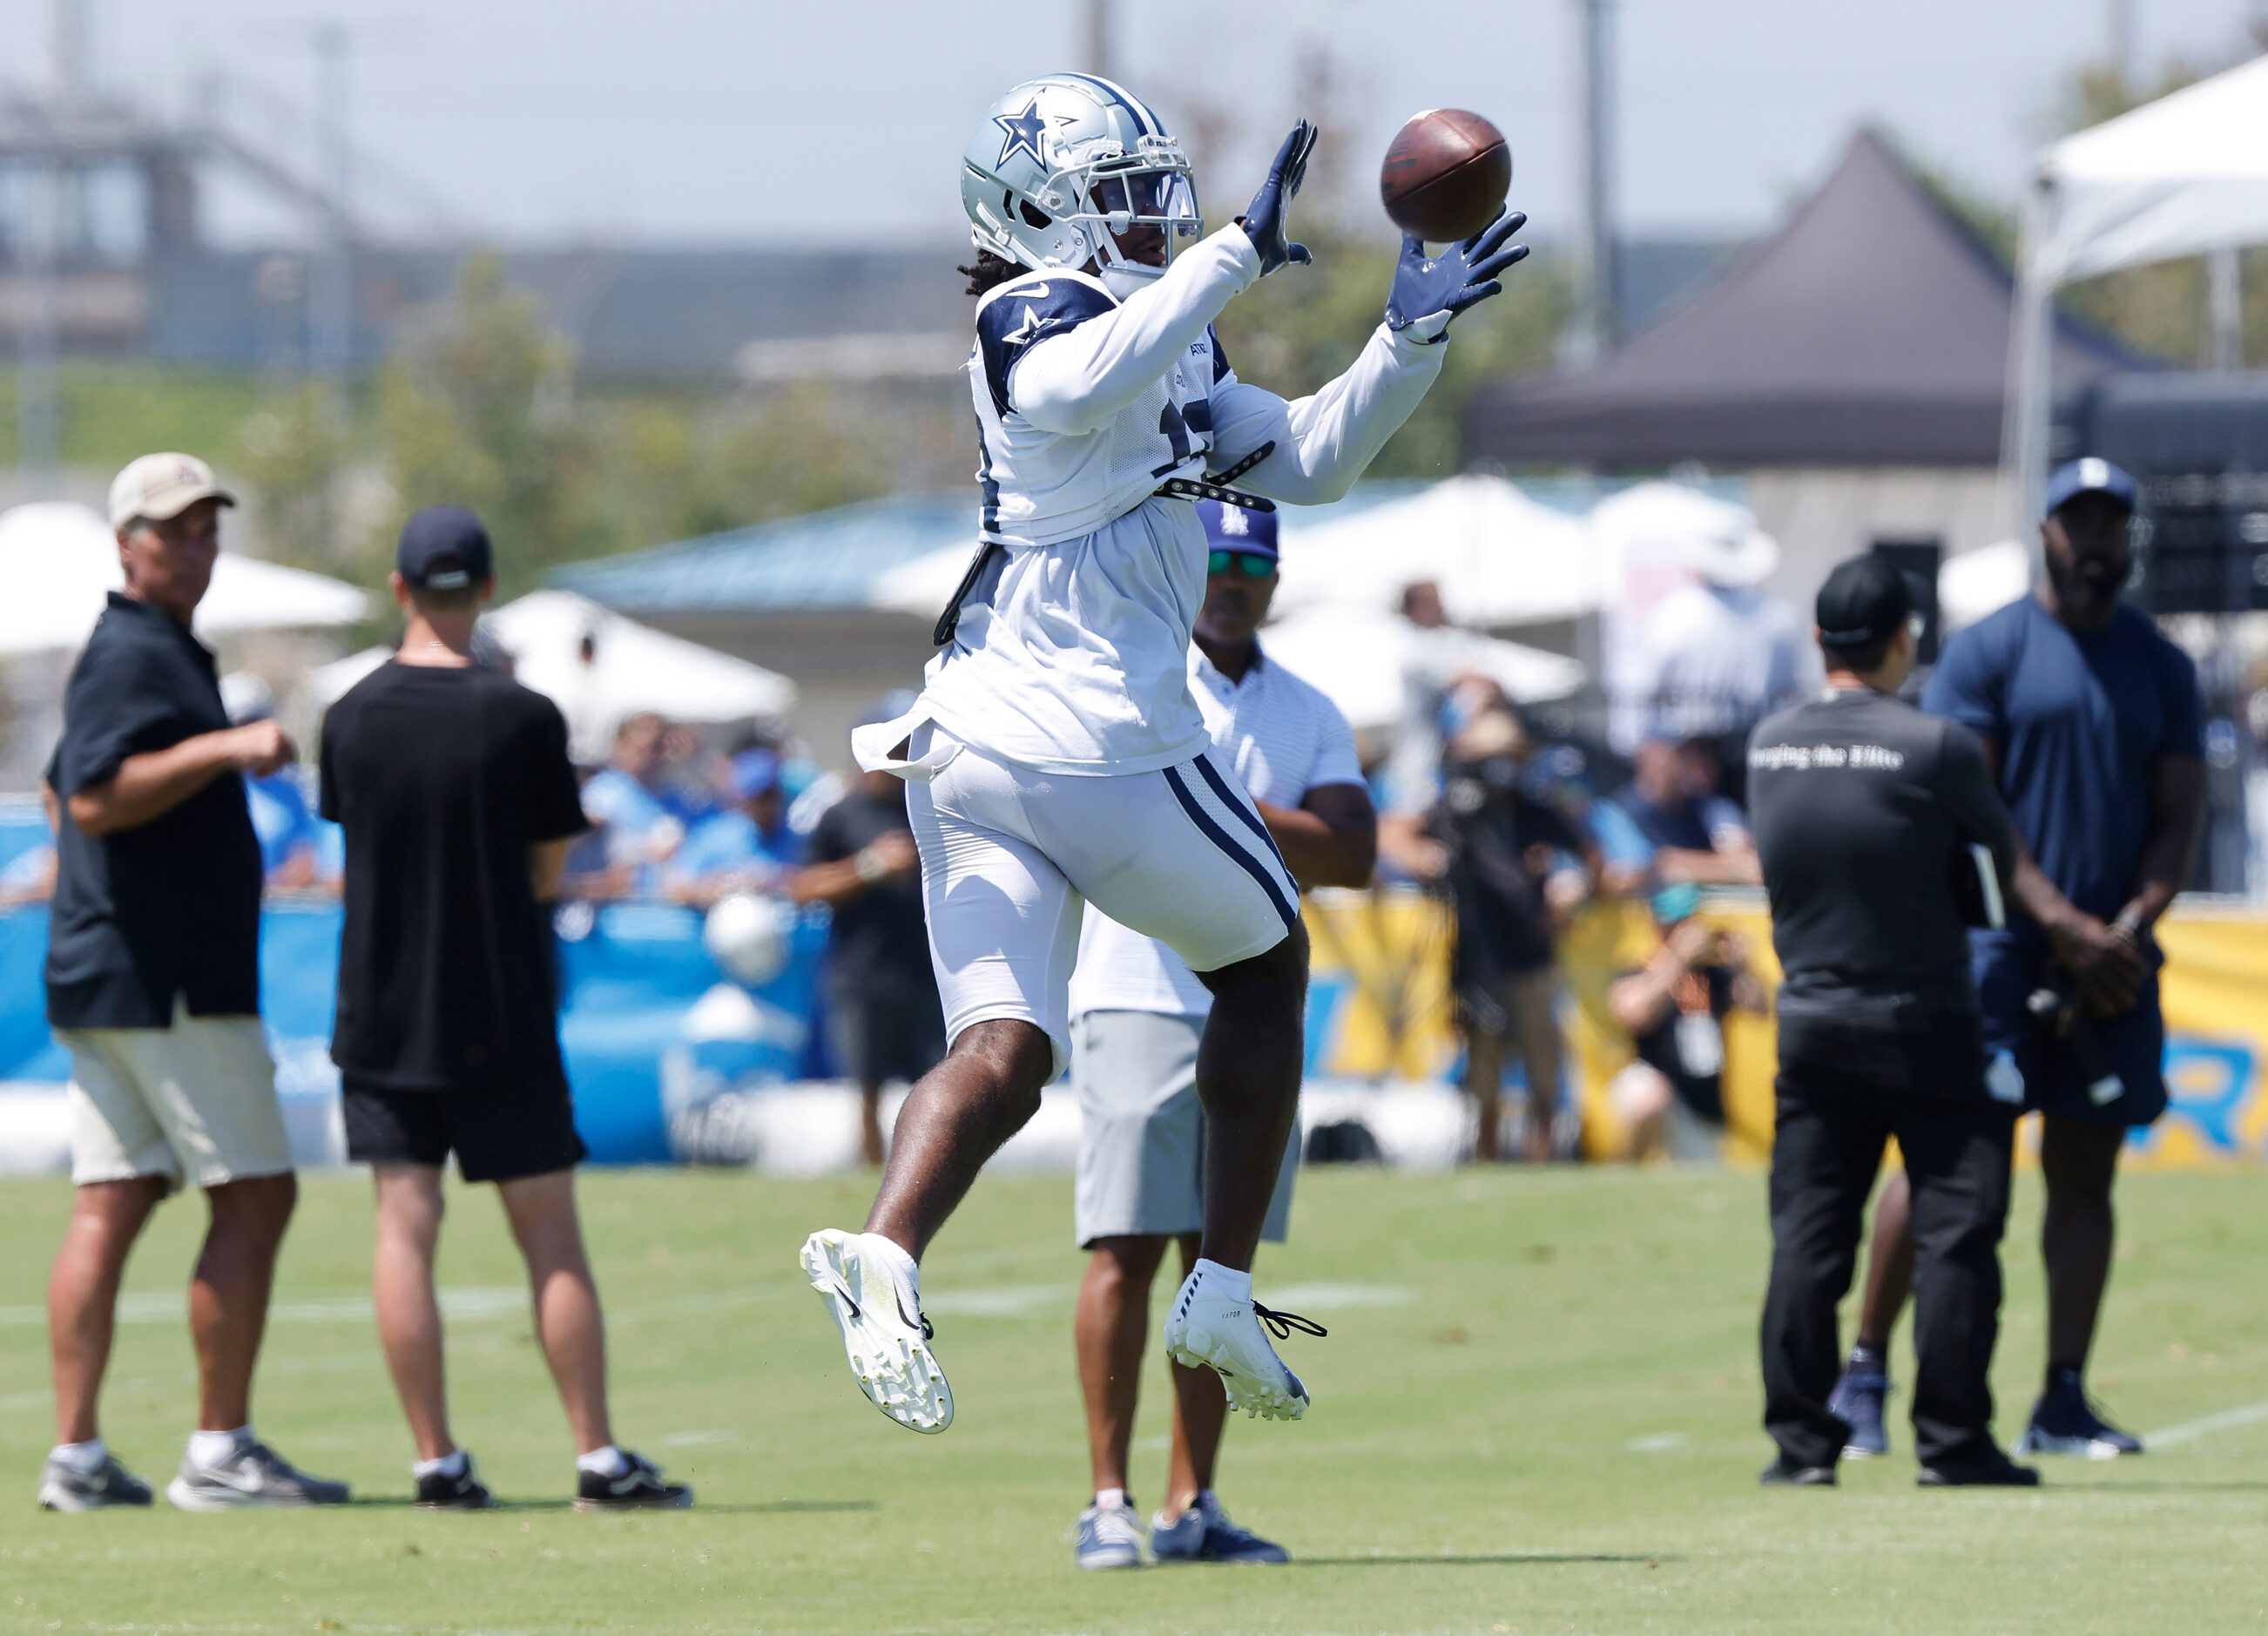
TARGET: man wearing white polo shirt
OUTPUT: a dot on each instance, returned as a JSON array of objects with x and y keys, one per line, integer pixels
[{"x": 1137, "y": 1016}]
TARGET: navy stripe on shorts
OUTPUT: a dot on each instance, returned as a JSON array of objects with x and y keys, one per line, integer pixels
[{"x": 1220, "y": 838}]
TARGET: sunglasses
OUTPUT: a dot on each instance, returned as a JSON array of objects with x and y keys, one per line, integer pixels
[{"x": 1251, "y": 564}]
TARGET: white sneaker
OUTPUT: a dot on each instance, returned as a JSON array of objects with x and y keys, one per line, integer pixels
[
  {"x": 1208, "y": 1329},
  {"x": 884, "y": 1332}
]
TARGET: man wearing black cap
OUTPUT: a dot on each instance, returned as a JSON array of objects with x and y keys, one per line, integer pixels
[
  {"x": 453, "y": 787},
  {"x": 1880, "y": 837},
  {"x": 2093, "y": 724}
]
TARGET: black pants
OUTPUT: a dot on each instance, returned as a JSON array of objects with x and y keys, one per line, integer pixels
[{"x": 1846, "y": 1086}]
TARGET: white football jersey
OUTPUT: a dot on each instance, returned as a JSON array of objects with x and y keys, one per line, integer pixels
[
  {"x": 1070, "y": 650},
  {"x": 1040, "y": 486}
]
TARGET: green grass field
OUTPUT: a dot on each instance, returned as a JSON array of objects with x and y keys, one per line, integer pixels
[{"x": 1536, "y": 1412}]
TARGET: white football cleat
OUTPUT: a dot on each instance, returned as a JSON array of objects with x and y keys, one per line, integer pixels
[
  {"x": 1208, "y": 1329},
  {"x": 884, "y": 1332}
]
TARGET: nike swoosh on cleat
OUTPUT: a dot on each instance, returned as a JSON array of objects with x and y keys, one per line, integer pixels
[
  {"x": 843, "y": 1293},
  {"x": 913, "y": 1323}
]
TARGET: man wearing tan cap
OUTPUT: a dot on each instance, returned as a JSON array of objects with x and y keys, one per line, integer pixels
[{"x": 152, "y": 982}]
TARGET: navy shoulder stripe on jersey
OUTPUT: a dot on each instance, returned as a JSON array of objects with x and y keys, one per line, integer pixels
[
  {"x": 1219, "y": 357},
  {"x": 1022, "y": 315}
]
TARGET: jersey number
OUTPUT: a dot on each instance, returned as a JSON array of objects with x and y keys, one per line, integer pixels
[{"x": 1175, "y": 430}]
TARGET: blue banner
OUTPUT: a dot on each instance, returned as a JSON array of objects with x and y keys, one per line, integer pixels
[{"x": 650, "y": 1023}]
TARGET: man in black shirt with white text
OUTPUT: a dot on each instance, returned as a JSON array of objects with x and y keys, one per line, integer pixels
[
  {"x": 1880, "y": 837},
  {"x": 453, "y": 785}
]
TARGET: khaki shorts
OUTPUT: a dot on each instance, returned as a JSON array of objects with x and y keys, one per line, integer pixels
[
  {"x": 1141, "y": 1143},
  {"x": 194, "y": 1102}
]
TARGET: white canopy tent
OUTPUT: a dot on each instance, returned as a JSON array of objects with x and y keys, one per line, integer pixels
[
  {"x": 632, "y": 668},
  {"x": 1500, "y": 557},
  {"x": 1983, "y": 581},
  {"x": 1360, "y": 658},
  {"x": 2184, "y": 175},
  {"x": 60, "y": 562}
]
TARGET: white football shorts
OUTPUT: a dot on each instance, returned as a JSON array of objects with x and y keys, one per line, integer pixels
[{"x": 1009, "y": 856}]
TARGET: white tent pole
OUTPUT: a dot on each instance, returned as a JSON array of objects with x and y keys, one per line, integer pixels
[
  {"x": 2224, "y": 286},
  {"x": 2030, "y": 404}
]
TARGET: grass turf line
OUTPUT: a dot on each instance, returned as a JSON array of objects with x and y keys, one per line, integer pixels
[{"x": 1536, "y": 1412}]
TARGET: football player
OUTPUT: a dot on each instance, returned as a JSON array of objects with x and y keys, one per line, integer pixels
[{"x": 1056, "y": 756}]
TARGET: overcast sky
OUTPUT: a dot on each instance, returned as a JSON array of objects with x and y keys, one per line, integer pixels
[{"x": 731, "y": 120}]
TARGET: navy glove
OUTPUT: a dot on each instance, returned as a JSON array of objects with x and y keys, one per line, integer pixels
[
  {"x": 1430, "y": 290},
  {"x": 1263, "y": 220}
]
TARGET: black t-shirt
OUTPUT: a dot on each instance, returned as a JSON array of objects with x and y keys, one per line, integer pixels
[
  {"x": 878, "y": 943},
  {"x": 1864, "y": 809},
  {"x": 169, "y": 909},
  {"x": 1488, "y": 824},
  {"x": 442, "y": 779},
  {"x": 1687, "y": 1047}
]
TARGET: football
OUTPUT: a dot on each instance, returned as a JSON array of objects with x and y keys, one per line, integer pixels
[{"x": 1446, "y": 175}]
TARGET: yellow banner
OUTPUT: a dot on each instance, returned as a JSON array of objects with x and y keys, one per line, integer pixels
[{"x": 1380, "y": 1009}]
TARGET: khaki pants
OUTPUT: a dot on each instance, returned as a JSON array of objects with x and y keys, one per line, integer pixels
[{"x": 194, "y": 1101}]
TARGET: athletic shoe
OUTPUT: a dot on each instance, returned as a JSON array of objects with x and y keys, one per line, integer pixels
[
  {"x": 2065, "y": 1423},
  {"x": 65, "y": 1488},
  {"x": 1208, "y": 1329},
  {"x": 1203, "y": 1533},
  {"x": 1990, "y": 1469},
  {"x": 1783, "y": 1473},
  {"x": 252, "y": 1474},
  {"x": 639, "y": 1488},
  {"x": 884, "y": 1332},
  {"x": 1108, "y": 1537},
  {"x": 440, "y": 1491},
  {"x": 1857, "y": 1401}
]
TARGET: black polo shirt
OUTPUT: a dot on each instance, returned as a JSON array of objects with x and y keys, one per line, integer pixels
[{"x": 169, "y": 909}]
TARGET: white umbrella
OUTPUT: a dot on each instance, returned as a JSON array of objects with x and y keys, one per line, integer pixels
[
  {"x": 1360, "y": 657},
  {"x": 1668, "y": 525},
  {"x": 61, "y": 561},
  {"x": 1500, "y": 557},
  {"x": 632, "y": 667}
]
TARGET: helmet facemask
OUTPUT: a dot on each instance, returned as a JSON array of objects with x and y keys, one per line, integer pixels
[{"x": 1141, "y": 209}]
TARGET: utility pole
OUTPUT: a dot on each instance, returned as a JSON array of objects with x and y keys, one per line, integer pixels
[
  {"x": 39, "y": 417},
  {"x": 331, "y": 310},
  {"x": 1596, "y": 329},
  {"x": 2119, "y": 38},
  {"x": 1095, "y": 44}
]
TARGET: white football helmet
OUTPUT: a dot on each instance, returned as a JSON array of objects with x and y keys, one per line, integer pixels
[{"x": 1066, "y": 162}]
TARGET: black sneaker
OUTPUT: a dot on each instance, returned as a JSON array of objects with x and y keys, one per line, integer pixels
[
  {"x": 67, "y": 1488},
  {"x": 1990, "y": 1469},
  {"x": 440, "y": 1491},
  {"x": 640, "y": 1488},
  {"x": 1783, "y": 1473},
  {"x": 2065, "y": 1423}
]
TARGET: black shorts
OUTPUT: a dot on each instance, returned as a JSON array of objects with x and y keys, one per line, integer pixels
[
  {"x": 497, "y": 1135},
  {"x": 879, "y": 1037}
]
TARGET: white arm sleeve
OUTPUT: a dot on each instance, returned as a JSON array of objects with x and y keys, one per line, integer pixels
[
  {"x": 1323, "y": 443},
  {"x": 1076, "y": 381}
]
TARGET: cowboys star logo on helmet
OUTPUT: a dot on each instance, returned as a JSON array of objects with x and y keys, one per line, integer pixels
[{"x": 1064, "y": 165}]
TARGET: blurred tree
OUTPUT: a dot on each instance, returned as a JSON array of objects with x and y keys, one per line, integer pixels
[
  {"x": 1300, "y": 327},
  {"x": 470, "y": 412},
  {"x": 290, "y": 451}
]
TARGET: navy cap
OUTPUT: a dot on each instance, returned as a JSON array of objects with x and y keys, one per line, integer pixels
[
  {"x": 1232, "y": 528},
  {"x": 755, "y": 772},
  {"x": 443, "y": 548},
  {"x": 1864, "y": 601},
  {"x": 2089, "y": 475}
]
